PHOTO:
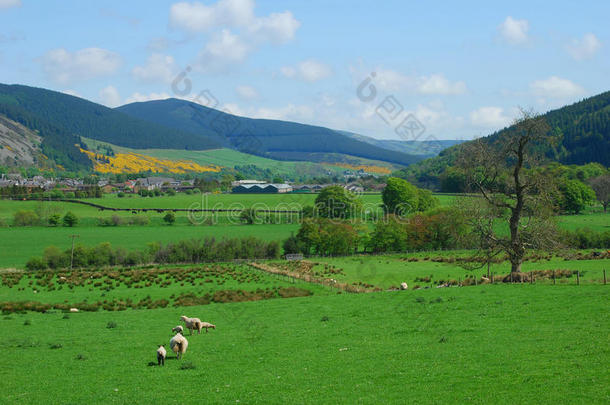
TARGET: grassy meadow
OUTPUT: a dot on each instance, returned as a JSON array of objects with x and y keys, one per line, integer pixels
[
  {"x": 486, "y": 344},
  {"x": 22, "y": 243}
]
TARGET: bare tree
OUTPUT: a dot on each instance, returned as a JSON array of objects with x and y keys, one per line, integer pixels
[
  {"x": 503, "y": 171},
  {"x": 601, "y": 186}
]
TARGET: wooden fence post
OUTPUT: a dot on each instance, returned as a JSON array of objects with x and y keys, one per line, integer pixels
[
  {"x": 553, "y": 277},
  {"x": 577, "y": 277},
  {"x": 604, "y": 276}
]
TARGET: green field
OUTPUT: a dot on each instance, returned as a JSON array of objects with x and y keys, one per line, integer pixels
[
  {"x": 22, "y": 243},
  {"x": 487, "y": 344},
  {"x": 231, "y": 158},
  {"x": 390, "y": 270}
]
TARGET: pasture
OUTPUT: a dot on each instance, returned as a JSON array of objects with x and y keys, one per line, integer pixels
[
  {"x": 22, "y": 243},
  {"x": 428, "y": 269},
  {"x": 486, "y": 344}
]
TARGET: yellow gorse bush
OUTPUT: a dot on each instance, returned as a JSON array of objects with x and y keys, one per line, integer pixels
[
  {"x": 137, "y": 163},
  {"x": 367, "y": 169}
]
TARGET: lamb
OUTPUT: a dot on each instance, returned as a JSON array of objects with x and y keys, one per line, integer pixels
[
  {"x": 178, "y": 329},
  {"x": 207, "y": 325},
  {"x": 192, "y": 323},
  {"x": 161, "y": 353},
  {"x": 403, "y": 286},
  {"x": 178, "y": 344}
]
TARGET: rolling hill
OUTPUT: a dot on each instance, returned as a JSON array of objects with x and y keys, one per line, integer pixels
[
  {"x": 262, "y": 137},
  {"x": 583, "y": 129},
  {"x": 61, "y": 120}
]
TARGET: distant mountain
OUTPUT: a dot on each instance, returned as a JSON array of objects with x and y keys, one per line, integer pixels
[
  {"x": 583, "y": 127},
  {"x": 263, "y": 137},
  {"x": 61, "y": 120},
  {"x": 419, "y": 148}
]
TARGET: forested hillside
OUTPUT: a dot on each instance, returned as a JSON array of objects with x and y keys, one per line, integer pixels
[
  {"x": 271, "y": 138},
  {"x": 582, "y": 130},
  {"x": 62, "y": 119}
]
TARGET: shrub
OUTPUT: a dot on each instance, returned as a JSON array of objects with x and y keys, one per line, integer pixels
[
  {"x": 120, "y": 194},
  {"x": 170, "y": 218},
  {"x": 25, "y": 218},
  {"x": 70, "y": 219},
  {"x": 54, "y": 220},
  {"x": 111, "y": 325},
  {"x": 36, "y": 263}
]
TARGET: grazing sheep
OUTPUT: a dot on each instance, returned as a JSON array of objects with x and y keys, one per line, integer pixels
[
  {"x": 161, "y": 353},
  {"x": 73, "y": 309},
  {"x": 192, "y": 323},
  {"x": 403, "y": 286},
  {"x": 207, "y": 325},
  {"x": 178, "y": 329},
  {"x": 178, "y": 344}
]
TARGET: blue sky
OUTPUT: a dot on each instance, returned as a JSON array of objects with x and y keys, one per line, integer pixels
[{"x": 462, "y": 69}]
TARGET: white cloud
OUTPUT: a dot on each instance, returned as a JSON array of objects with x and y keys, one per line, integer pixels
[
  {"x": 237, "y": 14},
  {"x": 489, "y": 117},
  {"x": 197, "y": 17},
  {"x": 234, "y": 28},
  {"x": 556, "y": 87},
  {"x": 584, "y": 48},
  {"x": 110, "y": 96},
  {"x": 438, "y": 84},
  {"x": 435, "y": 84},
  {"x": 246, "y": 92},
  {"x": 278, "y": 28},
  {"x": 309, "y": 70},
  {"x": 9, "y": 3},
  {"x": 65, "y": 67},
  {"x": 158, "y": 67},
  {"x": 138, "y": 97},
  {"x": 514, "y": 31},
  {"x": 224, "y": 49}
]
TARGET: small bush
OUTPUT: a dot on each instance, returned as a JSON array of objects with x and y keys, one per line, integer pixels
[
  {"x": 324, "y": 318},
  {"x": 111, "y": 325},
  {"x": 36, "y": 263},
  {"x": 25, "y": 218}
]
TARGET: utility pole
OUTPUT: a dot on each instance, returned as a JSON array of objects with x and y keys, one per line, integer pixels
[{"x": 72, "y": 254}]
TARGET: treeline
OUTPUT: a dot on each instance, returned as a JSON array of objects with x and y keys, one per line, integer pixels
[
  {"x": 583, "y": 131},
  {"x": 205, "y": 250},
  {"x": 436, "y": 229},
  {"x": 39, "y": 193}
]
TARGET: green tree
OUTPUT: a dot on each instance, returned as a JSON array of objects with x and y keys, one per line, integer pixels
[
  {"x": 248, "y": 216},
  {"x": 400, "y": 197},
  {"x": 170, "y": 218},
  {"x": 425, "y": 200},
  {"x": 70, "y": 219},
  {"x": 25, "y": 218},
  {"x": 601, "y": 186},
  {"x": 335, "y": 202},
  {"x": 54, "y": 219},
  {"x": 575, "y": 196}
]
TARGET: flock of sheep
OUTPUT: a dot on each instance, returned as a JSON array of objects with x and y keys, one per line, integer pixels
[{"x": 178, "y": 343}]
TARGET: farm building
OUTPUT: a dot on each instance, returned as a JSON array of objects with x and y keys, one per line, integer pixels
[{"x": 264, "y": 188}]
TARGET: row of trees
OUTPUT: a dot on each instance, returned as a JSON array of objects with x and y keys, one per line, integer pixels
[{"x": 185, "y": 251}]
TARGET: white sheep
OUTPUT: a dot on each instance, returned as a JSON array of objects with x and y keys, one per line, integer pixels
[
  {"x": 207, "y": 325},
  {"x": 403, "y": 286},
  {"x": 161, "y": 353},
  {"x": 178, "y": 329},
  {"x": 192, "y": 323},
  {"x": 178, "y": 344},
  {"x": 73, "y": 309}
]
